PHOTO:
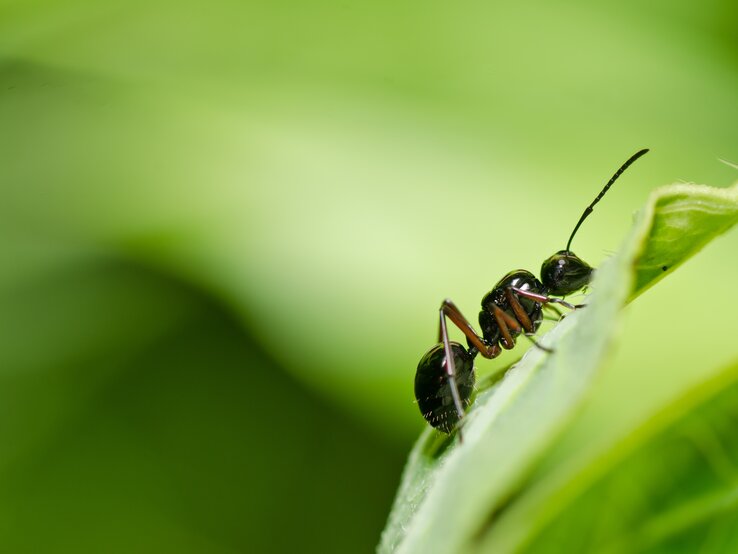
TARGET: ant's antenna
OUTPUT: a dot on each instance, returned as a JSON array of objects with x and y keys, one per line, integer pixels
[{"x": 588, "y": 211}]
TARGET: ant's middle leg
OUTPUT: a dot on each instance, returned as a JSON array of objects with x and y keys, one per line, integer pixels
[
  {"x": 508, "y": 326},
  {"x": 519, "y": 311},
  {"x": 523, "y": 317}
]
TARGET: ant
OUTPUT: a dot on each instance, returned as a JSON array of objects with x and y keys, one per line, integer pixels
[{"x": 444, "y": 381}]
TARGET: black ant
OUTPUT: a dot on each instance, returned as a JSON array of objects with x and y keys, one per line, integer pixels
[{"x": 443, "y": 382}]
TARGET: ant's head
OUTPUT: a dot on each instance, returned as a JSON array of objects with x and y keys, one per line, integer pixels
[{"x": 565, "y": 272}]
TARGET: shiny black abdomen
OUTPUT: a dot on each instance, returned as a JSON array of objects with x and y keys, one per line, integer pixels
[
  {"x": 432, "y": 389},
  {"x": 520, "y": 279}
]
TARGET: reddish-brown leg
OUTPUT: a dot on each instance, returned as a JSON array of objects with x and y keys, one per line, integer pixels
[
  {"x": 543, "y": 299},
  {"x": 517, "y": 307},
  {"x": 449, "y": 309}
]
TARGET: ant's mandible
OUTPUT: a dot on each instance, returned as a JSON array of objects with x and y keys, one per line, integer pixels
[{"x": 444, "y": 380}]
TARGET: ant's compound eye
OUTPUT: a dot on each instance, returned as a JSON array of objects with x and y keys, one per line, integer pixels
[{"x": 565, "y": 273}]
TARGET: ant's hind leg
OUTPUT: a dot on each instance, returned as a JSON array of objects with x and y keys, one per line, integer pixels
[
  {"x": 449, "y": 309},
  {"x": 450, "y": 368}
]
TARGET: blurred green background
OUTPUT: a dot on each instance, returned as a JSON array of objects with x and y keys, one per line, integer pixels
[{"x": 226, "y": 228}]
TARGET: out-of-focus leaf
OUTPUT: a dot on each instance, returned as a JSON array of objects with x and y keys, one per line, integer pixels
[
  {"x": 452, "y": 495},
  {"x": 137, "y": 417}
]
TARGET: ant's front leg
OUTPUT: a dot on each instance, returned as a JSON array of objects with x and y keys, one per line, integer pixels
[
  {"x": 554, "y": 309},
  {"x": 543, "y": 299}
]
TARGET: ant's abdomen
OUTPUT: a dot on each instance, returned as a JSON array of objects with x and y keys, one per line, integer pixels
[{"x": 433, "y": 390}]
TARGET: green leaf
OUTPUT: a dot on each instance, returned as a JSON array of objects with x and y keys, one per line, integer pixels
[
  {"x": 687, "y": 218},
  {"x": 671, "y": 485},
  {"x": 453, "y": 493}
]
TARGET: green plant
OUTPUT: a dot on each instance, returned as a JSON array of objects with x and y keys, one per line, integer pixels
[{"x": 496, "y": 492}]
